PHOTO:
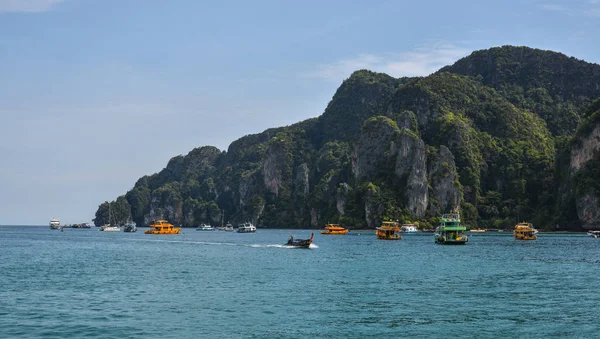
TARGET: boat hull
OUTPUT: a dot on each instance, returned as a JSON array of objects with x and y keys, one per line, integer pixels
[
  {"x": 335, "y": 232},
  {"x": 301, "y": 243},
  {"x": 174, "y": 231}
]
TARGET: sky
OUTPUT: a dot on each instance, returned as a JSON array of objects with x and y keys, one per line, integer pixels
[{"x": 94, "y": 94}]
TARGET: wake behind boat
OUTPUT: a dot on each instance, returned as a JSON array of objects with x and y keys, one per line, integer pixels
[{"x": 303, "y": 243}]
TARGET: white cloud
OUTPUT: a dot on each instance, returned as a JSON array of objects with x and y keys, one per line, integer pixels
[
  {"x": 28, "y": 6},
  {"x": 419, "y": 62}
]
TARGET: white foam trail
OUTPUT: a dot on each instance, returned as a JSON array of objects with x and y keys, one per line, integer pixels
[{"x": 222, "y": 243}]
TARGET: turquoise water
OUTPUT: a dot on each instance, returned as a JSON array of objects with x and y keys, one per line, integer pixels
[{"x": 85, "y": 283}]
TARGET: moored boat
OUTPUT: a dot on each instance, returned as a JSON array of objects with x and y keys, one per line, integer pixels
[
  {"x": 162, "y": 227},
  {"x": 246, "y": 227},
  {"x": 524, "y": 231},
  {"x": 109, "y": 228},
  {"x": 54, "y": 224},
  {"x": 334, "y": 229},
  {"x": 388, "y": 231},
  {"x": 594, "y": 234},
  {"x": 229, "y": 227},
  {"x": 130, "y": 227},
  {"x": 409, "y": 228},
  {"x": 304, "y": 243},
  {"x": 205, "y": 227},
  {"x": 450, "y": 231}
]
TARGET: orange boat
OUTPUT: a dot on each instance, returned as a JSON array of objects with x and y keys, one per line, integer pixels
[
  {"x": 334, "y": 229},
  {"x": 388, "y": 231},
  {"x": 162, "y": 227}
]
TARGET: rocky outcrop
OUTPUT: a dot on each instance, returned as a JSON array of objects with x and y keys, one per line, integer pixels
[
  {"x": 342, "y": 196},
  {"x": 584, "y": 166},
  {"x": 588, "y": 211},
  {"x": 587, "y": 149},
  {"x": 411, "y": 167},
  {"x": 443, "y": 180},
  {"x": 371, "y": 151},
  {"x": 301, "y": 183}
]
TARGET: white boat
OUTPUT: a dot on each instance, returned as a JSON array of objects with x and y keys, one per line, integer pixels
[
  {"x": 109, "y": 228},
  {"x": 54, "y": 224},
  {"x": 409, "y": 228},
  {"x": 594, "y": 234},
  {"x": 205, "y": 227},
  {"x": 130, "y": 227},
  {"x": 229, "y": 227},
  {"x": 246, "y": 227}
]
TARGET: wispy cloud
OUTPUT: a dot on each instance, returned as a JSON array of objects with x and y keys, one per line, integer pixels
[
  {"x": 27, "y": 6},
  {"x": 555, "y": 8},
  {"x": 590, "y": 8},
  {"x": 418, "y": 62}
]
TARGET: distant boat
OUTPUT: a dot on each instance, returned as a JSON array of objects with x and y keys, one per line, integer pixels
[
  {"x": 334, "y": 229},
  {"x": 109, "y": 228},
  {"x": 205, "y": 227},
  {"x": 388, "y": 231},
  {"x": 409, "y": 228},
  {"x": 524, "y": 231},
  {"x": 304, "y": 243},
  {"x": 450, "y": 231},
  {"x": 54, "y": 224},
  {"x": 246, "y": 227},
  {"x": 229, "y": 227},
  {"x": 130, "y": 227},
  {"x": 162, "y": 227},
  {"x": 594, "y": 234}
]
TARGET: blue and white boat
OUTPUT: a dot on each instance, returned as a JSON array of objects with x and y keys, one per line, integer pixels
[
  {"x": 409, "y": 228},
  {"x": 205, "y": 227}
]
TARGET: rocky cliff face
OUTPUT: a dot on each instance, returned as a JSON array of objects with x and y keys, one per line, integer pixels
[
  {"x": 585, "y": 171},
  {"x": 445, "y": 192}
]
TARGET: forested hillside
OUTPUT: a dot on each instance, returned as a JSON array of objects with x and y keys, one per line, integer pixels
[{"x": 490, "y": 135}]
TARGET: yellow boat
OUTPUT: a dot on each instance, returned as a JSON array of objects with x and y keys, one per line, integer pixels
[
  {"x": 388, "y": 230},
  {"x": 334, "y": 229},
  {"x": 162, "y": 227},
  {"x": 524, "y": 231}
]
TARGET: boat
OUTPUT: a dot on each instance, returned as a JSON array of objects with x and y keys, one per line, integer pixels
[
  {"x": 303, "y": 243},
  {"x": 594, "y": 234},
  {"x": 229, "y": 227},
  {"x": 477, "y": 230},
  {"x": 205, "y": 227},
  {"x": 54, "y": 224},
  {"x": 162, "y": 227},
  {"x": 388, "y": 231},
  {"x": 130, "y": 227},
  {"x": 246, "y": 227},
  {"x": 109, "y": 228},
  {"x": 334, "y": 229},
  {"x": 409, "y": 228},
  {"x": 450, "y": 231},
  {"x": 524, "y": 231}
]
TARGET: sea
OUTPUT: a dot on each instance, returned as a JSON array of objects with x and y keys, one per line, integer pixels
[{"x": 81, "y": 283}]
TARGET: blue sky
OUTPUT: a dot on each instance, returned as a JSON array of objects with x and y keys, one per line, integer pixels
[{"x": 97, "y": 93}]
